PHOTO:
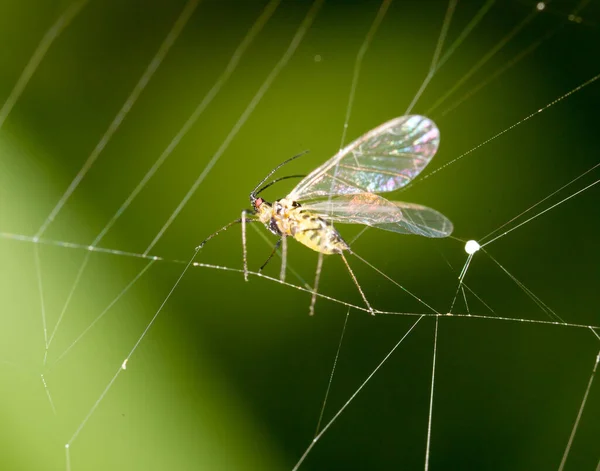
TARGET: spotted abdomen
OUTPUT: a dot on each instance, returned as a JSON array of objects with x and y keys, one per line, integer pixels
[{"x": 314, "y": 232}]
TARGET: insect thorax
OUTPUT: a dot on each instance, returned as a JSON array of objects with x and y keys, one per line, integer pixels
[{"x": 288, "y": 218}]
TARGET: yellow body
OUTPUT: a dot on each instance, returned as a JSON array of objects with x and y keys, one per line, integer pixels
[{"x": 288, "y": 219}]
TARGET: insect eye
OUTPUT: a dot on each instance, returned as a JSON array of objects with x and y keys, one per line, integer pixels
[{"x": 258, "y": 202}]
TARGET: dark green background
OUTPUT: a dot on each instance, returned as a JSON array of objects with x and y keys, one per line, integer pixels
[{"x": 232, "y": 375}]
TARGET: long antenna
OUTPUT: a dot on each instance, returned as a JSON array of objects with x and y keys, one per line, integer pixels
[
  {"x": 277, "y": 180},
  {"x": 253, "y": 194}
]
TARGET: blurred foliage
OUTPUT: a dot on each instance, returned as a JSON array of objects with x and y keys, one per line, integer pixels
[{"x": 232, "y": 374}]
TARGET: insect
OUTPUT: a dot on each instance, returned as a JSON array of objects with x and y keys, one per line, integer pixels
[{"x": 343, "y": 190}]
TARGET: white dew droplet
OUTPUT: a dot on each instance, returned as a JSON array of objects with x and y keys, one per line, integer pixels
[{"x": 471, "y": 247}]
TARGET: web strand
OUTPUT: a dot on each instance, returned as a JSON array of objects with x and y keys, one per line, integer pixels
[
  {"x": 465, "y": 299},
  {"x": 461, "y": 277},
  {"x": 335, "y": 360},
  {"x": 428, "y": 446},
  {"x": 436, "y": 54},
  {"x": 131, "y": 352},
  {"x": 544, "y": 307},
  {"x": 303, "y": 286},
  {"x": 116, "y": 122},
  {"x": 579, "y": 414},
  {"x": 69, "y": 297},
  {"x": 491, "y": 53},
  {"x": 308, "y": 289},
  {"x": 347, "y": 403},
  {"x": 511, "y": 63},
  {"x": 504, "y": 131},
  {"x": 465, "y": 32},
  {"x": 482, "y": 239},
  {"x": 38, "y": 272},
  {"x": 48, "y": 395},
  {"x": 103, "y": 313},
  {"x": 189, "y": 123},
  {"x": 304, "y": 27},
  {"x": 383, "y": 8},
  {"x": 55, "y": 30},
  {"x": 296, "y": 40},
  {"x": 358, "y": 64},
  {"x": 464, "y": 285},
  {"x": 394, "y": 282},
  {"x": 540, "y": 213}
]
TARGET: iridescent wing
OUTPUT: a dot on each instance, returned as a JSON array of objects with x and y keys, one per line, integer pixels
[
  {"x": 384, "y": 159},
  {"x": 375, "y": 211}
]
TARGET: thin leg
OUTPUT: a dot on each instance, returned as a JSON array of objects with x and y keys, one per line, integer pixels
[
  {"x": 277, "y": 244},
  {"x": 224, "y": 228},
  {"x": 313, "y": 299},
  {"x": 244, "y": 251},
  {"x": 283, "y": 258},
  {"x": 357, "y": 285}
]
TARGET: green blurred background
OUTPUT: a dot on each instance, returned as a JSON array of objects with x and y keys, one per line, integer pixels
[{"x": 232, "y": 374}]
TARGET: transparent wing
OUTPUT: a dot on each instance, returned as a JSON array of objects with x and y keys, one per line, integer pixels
[
  {"x": 375, "y": 211},
  {"x": 384, "y": 159}
]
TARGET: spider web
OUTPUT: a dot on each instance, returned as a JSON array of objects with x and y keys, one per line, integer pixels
[{"x": 131, "y": 133}]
